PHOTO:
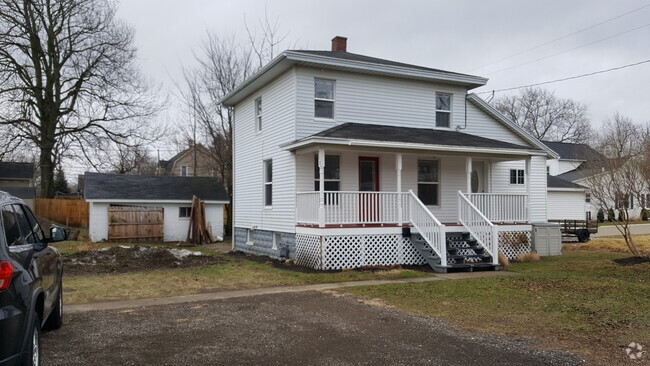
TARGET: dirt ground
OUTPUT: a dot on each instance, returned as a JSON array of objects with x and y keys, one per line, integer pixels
[
  {"x": 307, "y": 328},
  {"x": 132, "y": 259}
]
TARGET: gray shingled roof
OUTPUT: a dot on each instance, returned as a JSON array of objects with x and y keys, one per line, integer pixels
[
  {"x": 140, "y": 187},
  {"x": 24, "y": 193},
  {"x": 371, "y": 60},
  {"x": 572, "y": 151},
  {"x": 361, "y": 131},
  {"x": 557, "y": 182},
  {"x": 9, "y": 170}
]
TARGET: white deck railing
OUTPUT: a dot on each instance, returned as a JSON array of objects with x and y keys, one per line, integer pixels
[
  {"x": 352, "y": 208},
  {"x": 428, "y": 226},
  {"x": 501, "y": 207},
  {"x": 479, "y": 226}
]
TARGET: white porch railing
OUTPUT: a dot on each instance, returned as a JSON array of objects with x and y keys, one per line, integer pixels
[
  {"x": 501, "y": 207},
  {"x": 429, "y": 227},
  {"x": 352, "y": 208},
  {"x": 482, "y": 229}
]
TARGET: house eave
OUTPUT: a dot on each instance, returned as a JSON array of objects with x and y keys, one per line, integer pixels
[
  {"x": 557, "y": 189},
  {"x": 406, "y": 146},
  {"x": 288, "y": 59}
]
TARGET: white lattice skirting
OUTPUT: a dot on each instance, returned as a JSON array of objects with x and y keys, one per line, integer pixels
[
  {"x": 352, "y": 251},
  {"x": 513, "y": 243}
]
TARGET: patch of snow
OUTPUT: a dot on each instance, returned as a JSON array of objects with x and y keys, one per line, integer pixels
[
  {"x": 183, "y": 253},
  {"x": 125, "y": 247}
]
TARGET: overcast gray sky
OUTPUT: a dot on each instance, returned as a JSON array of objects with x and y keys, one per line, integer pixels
[{"x": 463, "y": 36}]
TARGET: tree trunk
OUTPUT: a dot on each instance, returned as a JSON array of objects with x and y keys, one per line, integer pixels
[{"x": 47, "y": 172}]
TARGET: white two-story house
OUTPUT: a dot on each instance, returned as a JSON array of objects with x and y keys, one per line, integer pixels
[{"x": 343, "y": 160}]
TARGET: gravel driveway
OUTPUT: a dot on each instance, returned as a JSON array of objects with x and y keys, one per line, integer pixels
[{"x": 306, "y": 328}]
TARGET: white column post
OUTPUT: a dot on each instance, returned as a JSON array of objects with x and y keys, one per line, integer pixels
[
  {"x": 468, "y": 170},
  {"x": 527, "y": 178},
  {"x": 321, "y": 187},
  {"x": 398, "y": 170}
]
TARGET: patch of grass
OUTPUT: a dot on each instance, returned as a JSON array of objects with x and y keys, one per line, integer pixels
[
  {"x": 235, "y": 274},
  {"x": 612, "y": 244},
  {"x": 580, "y": 301}
]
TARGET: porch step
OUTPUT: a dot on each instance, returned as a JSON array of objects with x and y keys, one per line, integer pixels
[{"x": 473, "y": 258}]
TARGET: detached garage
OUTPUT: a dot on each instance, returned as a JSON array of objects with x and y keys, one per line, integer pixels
[
  {"x": 565, "y": 200},
  {"x": 150, "y": 208}
]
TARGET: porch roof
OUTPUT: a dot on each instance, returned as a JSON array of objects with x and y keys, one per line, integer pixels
[{"x": 407, "y": 137}]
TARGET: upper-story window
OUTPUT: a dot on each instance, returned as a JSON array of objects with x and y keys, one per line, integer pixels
[
  {"x": 258, "y": 114},
  {"x": 324, "y": 98},
  {"x": 443, "y": 110},
  {"x": 183, "y": 170}
]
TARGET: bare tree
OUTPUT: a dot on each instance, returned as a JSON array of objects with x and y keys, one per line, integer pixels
[
  {"x": 619, "y": 137},
  {"x": 622, "y": 179},
  {"x": 68, "y": 77},
  {"x": 546, "y": 116}
]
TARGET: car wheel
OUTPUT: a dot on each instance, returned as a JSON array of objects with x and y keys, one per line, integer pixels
[
  {"x": 55, "y": 320},
  {"x": 33, "y": 354}
]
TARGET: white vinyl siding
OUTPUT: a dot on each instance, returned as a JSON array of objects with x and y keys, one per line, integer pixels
[
  {"x": 566, "y": 205},
  {"x": 374, "y": 100},
  {"x": 481, "y": 124},
  {"x": 250, "y": 149}
]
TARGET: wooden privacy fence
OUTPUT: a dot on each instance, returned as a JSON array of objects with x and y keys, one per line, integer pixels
[
  {"x": 135, "y": 223},
  {"x": 67, "y": 212}
]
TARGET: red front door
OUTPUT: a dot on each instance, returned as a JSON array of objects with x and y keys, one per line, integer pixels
[{"x": 368, "y": 182}]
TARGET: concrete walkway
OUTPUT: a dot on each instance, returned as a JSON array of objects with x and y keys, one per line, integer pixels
[
  {"x": 637, "y": 229},
  {"x": 113, "y": 305}
]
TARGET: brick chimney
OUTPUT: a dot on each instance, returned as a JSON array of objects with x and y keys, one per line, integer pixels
[{"x": 339, "y": 43}]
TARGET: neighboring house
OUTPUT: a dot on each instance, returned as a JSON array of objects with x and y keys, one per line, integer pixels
[
  {"x": 17, "y": 179},
  {"x": 336, "y": 153},
  {"x": 168, "y": 199},
  {"x": 569, "y": 196},
  {"x": 193, "y": 162}
]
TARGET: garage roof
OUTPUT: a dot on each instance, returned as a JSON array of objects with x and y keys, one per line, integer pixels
[{"x": 100, "y": 186}]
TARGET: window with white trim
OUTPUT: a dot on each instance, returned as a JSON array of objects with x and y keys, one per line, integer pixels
[
  {"x": 268, "y": 183},
  {"x": 324, "y": 98},
  {"x": 258, "y": 114},
  {"x": 184, "y": 212},
  {"x": 517, "y": 176},
  {"x": 443, "y": 110},
  {"x": 428, "y": 182},
  {"x": 332, "y": 173},
  {"x": 183, "y": 170}
]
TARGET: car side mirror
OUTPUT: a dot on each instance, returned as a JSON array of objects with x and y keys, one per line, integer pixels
[{"x": 58, "y": 234}]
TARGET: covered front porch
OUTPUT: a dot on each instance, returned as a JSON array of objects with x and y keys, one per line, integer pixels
[{"x": 420, "y": 195}]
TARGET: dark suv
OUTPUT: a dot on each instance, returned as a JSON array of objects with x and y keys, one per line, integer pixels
[{"x": 30, "y": 283}]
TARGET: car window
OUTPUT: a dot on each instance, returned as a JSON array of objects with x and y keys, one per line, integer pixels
[
  {"x": 36, "y": 227},
  {"x": 25, "y": 227},
  {"x": 12, "y": 232}
]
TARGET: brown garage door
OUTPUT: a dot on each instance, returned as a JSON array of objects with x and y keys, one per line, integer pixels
[{"x": 135, "y": 223}]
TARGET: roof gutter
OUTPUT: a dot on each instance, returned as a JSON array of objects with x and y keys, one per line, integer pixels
[
  {"x": 294, "y": 57},
  {"x": 402, "y": 145}
]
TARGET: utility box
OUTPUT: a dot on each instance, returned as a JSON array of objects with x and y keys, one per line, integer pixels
[{"x": 547, "y": 239}]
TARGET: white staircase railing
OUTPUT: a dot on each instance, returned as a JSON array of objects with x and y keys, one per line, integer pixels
[
  {"x": 482, "y": 229},
  {"x": 428, "y": 226}
]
